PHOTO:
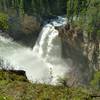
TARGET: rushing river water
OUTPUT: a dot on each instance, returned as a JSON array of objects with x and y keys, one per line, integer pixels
[{"x": 44, "y": 62}]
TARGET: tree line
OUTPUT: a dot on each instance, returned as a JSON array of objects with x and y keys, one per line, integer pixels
[{"x": 35, "y": 7}]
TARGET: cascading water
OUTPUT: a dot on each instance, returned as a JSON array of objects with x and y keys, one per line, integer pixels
[{"x": 44, "y": 63}]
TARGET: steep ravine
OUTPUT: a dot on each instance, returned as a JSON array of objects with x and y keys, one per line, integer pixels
[
  {"x": 60, "y": 50},
  {"x": 82, "y": 54}
]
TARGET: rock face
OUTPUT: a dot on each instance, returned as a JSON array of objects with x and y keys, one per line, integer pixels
[
  {"x": 30, "y": 24},
  {"x": 18, "y": 72},
  {"x": 24, "y": 29},
  {"x": 73, "y": 53},
  {"x": 13, "y": 75},
  {"x": 80, "y": 72}
]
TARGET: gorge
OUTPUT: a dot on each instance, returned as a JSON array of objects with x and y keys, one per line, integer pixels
[
  {"x": 49, "y": 49},
  {"x": 43, "y": 60}
]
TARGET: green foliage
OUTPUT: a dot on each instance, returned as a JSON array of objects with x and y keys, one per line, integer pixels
[
  {"x": 96, "y": 80},
  {"x": 3, "y": 22},
  {"x": 98, "y": 33},
  {"x": 11, "y": 76},
  {"x": 23, "y": 90},
  {"x": 38, "y": 8},
  {"x": 5, "y": 97},
  {"x": 86, "y": 15},
  {"x": 93, "y": 15},
  {"x": 76, "y": 8}
]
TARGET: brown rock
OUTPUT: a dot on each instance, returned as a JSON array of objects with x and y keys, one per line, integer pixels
[{"x": 30, "y": 24}]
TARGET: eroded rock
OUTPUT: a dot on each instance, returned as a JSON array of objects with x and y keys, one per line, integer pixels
[{"x": 72, "y": 48}]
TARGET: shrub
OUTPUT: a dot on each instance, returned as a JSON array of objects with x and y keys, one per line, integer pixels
[
  {"x": 96, "y": 80},
  {"x": 3, "y": 22},
  {"x": 5, "y": 98}
]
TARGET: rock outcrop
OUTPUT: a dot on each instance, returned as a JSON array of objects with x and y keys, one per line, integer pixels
[
  {"x": 24, "y": 29},
  {"x": 73, "y": 52},
  {"x": 30, "y": 25}
]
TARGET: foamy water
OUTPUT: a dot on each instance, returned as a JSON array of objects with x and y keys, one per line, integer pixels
[{"x": 44, "y": 62}]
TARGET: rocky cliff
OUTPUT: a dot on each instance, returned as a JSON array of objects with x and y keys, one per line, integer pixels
[{"x": 78, "y": 52}]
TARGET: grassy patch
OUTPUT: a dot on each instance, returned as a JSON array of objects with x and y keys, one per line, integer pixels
[{"x": 16, "y": 87}]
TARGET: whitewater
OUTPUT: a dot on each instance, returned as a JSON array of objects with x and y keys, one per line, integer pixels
[{"x": 43, "y": 63}]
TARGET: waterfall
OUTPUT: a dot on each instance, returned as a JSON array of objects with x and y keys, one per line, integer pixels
[{"x": 44, "y": 63}]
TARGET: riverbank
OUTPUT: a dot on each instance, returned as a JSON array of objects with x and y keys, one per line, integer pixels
[{"x": 17, "y": 87}]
